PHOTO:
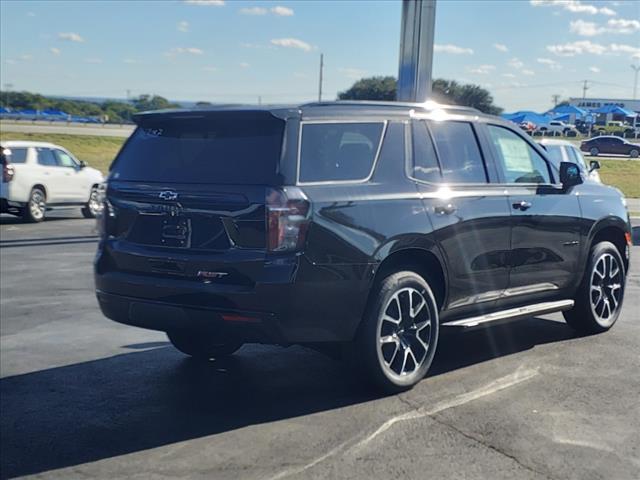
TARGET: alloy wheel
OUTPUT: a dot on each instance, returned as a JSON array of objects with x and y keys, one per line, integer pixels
[
  {"x": 405, "y": 332},
  {"x": 95, "y": 206},
  {"x": 37, "y": 205},
  {"x": 606, "y": 289}
]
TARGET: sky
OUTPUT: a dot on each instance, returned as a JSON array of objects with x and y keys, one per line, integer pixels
[{"x": 523, "y": 51}]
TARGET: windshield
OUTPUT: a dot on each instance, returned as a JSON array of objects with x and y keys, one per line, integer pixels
[{"x": 234, "y": 148}]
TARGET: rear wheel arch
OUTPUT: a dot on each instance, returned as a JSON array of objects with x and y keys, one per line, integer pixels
[
  {"x": 40, "y": 186},
  {"x": 419, "y": 260}
]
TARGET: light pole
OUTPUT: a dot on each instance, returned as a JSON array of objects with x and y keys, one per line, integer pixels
[{"x": 636, "y": 69}]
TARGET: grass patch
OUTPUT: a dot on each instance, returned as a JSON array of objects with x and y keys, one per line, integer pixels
[
  {"x": 623, "y": 174},
  {"x": 98, "y": 152}
]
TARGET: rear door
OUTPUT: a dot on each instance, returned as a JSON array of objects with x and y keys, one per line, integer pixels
[
  {"x": 184, "y": 191},
  {"x": 545, "y": 220},
  {"x": 73, "y": 184},
  {"x": 469, "y": 214},
  {"x": 47, "y": 172}
]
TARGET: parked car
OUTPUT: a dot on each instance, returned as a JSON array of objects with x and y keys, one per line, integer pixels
[
  {"x": 359, "y": 227},
  {"x": 613, "y": 127},
  {"x": 528, "y": 127},
  {"x": 37, "y": 177},
  {"x": 557, "y": 128},
  {"x": 560, "y": 151},
  {"x": 610, "y": 144}
]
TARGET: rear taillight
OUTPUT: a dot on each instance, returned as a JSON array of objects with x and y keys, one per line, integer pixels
[
  {"x": 8, "y": 172},
  {"x": 288, "y": 216}
]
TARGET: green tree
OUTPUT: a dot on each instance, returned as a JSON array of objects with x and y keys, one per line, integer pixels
[
  {"x": 444, "y": 91},
  {"x": 372, "y": 88},
  {"x": 149, "y": 102}
]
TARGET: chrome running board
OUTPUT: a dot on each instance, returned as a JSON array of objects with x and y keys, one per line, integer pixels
[{"x": 513, "y": 313}]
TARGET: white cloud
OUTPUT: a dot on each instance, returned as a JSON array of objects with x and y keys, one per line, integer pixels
[
  {"x": 93, "y": 60},
  {"x": 71, "y": 37},
  {"x": 55, "y": 51},
  {"x": 31, "y": 14},
  {"x": 282, "y": 11},
  {"x": 594, "y": 69},
  {"x": 509, "y": 75},
  {"x": 500, "y": 47},
  {"x": 621, "y": 25},
  {"x": 253, "y": 11},
  {"x": 183, "y": 26},
  {"x": 353, "y": 73},
  {"x": 130, "y": 61},
  {"x": 300, "y": 75},
  {"x": 587, "y": 47},
  {"x": 573, "y": 6},
  {"x": 25, "y": 57},
  {"x": 482, "y": 69},
  {"x": 586, "y": 29},
  {"x": 453, "y": 49},
  {"x": 516, "y": 63},
  {"x": 244, "y": 65},
  {"x": 10, "y": 61},
  {"x": 183, "y": 50},
  {"x": 210, "y": 69},
  {"x": 211, "y": 3},
  {"x": 552, "y": 64},
  {"x": 614, "y": 26},
  {"x": 292, "y": 43},
  {"x": 528, "y": 72}
]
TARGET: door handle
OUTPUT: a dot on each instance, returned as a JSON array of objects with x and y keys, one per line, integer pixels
[
  {"x": 447, "y": 209},
  {"x": 522, "y": 205}
]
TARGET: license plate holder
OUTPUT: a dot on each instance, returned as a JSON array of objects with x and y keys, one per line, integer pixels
[{"x": 175, "y": 231}]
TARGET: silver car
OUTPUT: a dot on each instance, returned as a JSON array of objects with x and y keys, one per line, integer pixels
[{"x": 564, "y": 151}]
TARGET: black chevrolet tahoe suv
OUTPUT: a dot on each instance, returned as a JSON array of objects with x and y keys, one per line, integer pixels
[{"x": 366, "y": 225}]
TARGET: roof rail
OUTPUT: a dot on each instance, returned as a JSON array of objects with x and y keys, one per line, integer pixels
[{"x": 428, "y": 105}]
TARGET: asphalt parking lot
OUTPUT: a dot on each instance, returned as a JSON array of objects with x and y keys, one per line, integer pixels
[{"x": 82, "y": 397}]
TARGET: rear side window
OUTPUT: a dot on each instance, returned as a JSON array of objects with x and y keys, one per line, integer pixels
[
  {"x": 519, "y": 161},
  {"x": 228, "y": 148},
  {"x": 425, "y": 161},
  {"x": 459, "y": 153},
  {"x": 46, "y": 157},
  {"x": 334, "y": 152},
  {"x": 18, "y": 155}
]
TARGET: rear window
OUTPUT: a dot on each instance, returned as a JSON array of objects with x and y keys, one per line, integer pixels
[
  {"x": 233, "y": 148},
  {"x": 334, "y": 152},
  {"x": 17, "y": 155}
]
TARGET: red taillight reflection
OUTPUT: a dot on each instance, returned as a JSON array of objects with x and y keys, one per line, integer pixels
[
  {"x": 288, "y": 212},
  {"x": 239, "y": 318}
]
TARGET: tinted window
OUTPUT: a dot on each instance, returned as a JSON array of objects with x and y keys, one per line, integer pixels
[
  {"x": 458, "y": 152},
  {"x": 555, "y": 153},
  {"x": 233, "y": 148},
  {"x": 425, "y": 161},
  {"x": 64, "y": 159},
  {"x": 46, "y": 157},
  {"x": 18, "y": 155},
  {"x": 338, "y": 151},
  {"x": 520, "y": 162}
]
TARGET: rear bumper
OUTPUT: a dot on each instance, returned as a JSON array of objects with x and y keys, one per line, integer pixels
[{"x": 297, "y": 302}]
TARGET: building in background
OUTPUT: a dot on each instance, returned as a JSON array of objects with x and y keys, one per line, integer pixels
[{"x": 595, "y": 103}]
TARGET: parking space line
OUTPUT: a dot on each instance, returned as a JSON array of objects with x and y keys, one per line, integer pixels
[{"x": 508, "y": 381}]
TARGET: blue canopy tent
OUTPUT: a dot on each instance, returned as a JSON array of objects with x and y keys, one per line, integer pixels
[
  {"x": 527, "y": 116},
  {"x": 567, "y": 110},
  {"x": 614, "y": 110}
]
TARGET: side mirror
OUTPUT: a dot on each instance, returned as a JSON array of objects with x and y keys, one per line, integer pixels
[
  {"x": 594, "y": 165},
  {"x": 569, "y": 175},
  {"x": 83, "y": 164}
]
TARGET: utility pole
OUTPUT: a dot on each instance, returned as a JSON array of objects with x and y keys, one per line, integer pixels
[
  {"x": 320, "y": 79},
  {"x": 636, "y": 69},
  {"x": 555, "y": 98},
  {"x": 259, "y": 99},
  {"x": 416, "y": 50},
  {"x": 585, "y": 87}
]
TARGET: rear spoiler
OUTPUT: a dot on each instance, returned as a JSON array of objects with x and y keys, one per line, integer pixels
[{"x": 226, "y": 111}]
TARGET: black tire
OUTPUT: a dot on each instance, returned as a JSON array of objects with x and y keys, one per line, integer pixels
[
  {"x": 34, "y": 210},
  {"x": 202, "y": 345},
  {"x": 594, "y": 151},
  {"x": 379, "y": 360},
  {"x": 92, "y": 208},
  {"x": 633, "y": 153},
  {"x": 588, "y": 316}
]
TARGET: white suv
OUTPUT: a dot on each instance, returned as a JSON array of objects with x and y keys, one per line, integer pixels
[
  {"x": 37, "y": 177},
  {"x": 557, "y": 127}
]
